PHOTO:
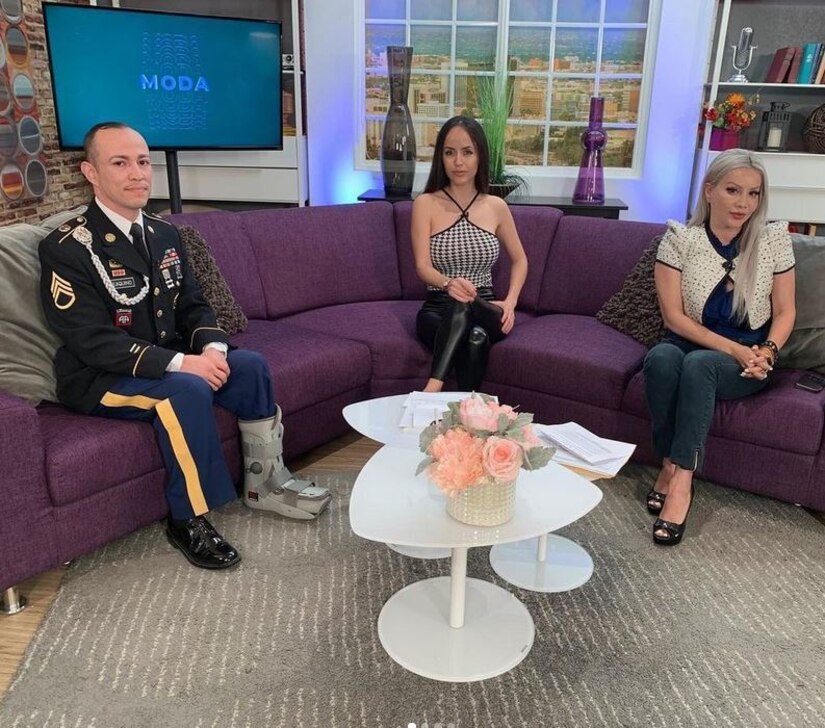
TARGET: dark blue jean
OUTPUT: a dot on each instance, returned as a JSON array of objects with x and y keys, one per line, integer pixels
[{"x": 682, "y": 383}]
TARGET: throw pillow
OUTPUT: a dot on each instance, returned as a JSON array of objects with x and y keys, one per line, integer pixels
[
  {"x": 27, "y": 344},
  {"x": 805, "y": 349},
  {"x": 634, "y": 310},
  {"x": 213, "y": 285}
]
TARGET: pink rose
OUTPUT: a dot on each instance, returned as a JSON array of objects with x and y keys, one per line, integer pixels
[
  {"x": 531, "y": 440},
  {"x": 502, "y": 409},
  {"x": 502, "y": 458},
  {"x": 476, "y": 415}
]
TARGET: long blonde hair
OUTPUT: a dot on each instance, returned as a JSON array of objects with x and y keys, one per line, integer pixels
[{"x": 723, "y": 165}]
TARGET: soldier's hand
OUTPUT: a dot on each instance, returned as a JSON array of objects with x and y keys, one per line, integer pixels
[
  {"x": 219, "y": 358},
  {"x": 207, "y": 368}
]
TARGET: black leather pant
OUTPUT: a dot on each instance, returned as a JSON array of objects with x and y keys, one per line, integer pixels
[{"x": 459, "y": 335}]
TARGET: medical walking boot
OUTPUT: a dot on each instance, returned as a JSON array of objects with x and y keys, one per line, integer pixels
[{"x": 268, "y": 484}]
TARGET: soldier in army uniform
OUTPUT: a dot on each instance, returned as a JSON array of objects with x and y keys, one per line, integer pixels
[{"x": 140, "y": 342}]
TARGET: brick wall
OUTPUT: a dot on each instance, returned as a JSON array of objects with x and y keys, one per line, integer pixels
[{"x": 66, "y": 185}]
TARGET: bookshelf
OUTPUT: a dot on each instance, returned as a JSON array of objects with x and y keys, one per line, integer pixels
[{"x": 796, "y": 177}]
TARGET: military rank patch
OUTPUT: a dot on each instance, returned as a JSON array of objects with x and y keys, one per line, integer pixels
[
  {"x": 123, "y": 317},
  {"x": 62, "y": 292}
]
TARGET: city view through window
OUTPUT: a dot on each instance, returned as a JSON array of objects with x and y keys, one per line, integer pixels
[{"x": 557, "y": 54}]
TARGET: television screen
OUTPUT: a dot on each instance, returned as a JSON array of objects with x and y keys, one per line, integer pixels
[{"x": 183, "y": 81}]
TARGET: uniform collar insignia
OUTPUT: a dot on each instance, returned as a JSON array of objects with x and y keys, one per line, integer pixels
[
  {"x": 70, "y": 227},
  {"x": 82, "y": 234}
]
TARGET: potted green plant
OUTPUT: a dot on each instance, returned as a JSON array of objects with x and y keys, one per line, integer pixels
[{"x": 494, "y": 99}]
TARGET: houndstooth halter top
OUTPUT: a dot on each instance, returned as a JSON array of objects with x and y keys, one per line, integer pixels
[{"x": 464, "y": 250}]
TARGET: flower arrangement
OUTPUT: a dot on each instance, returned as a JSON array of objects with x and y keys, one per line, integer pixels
[
  {"x": 479, "y": 441},
  {"x": 731, "y": 113}
]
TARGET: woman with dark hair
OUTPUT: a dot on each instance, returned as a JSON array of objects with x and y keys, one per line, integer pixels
[
  {"x": 726, "y": 287},
  {"x": 457, "y": 230}
]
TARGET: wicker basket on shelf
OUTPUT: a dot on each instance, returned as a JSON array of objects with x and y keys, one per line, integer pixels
[{"x": 813, "y": 133}]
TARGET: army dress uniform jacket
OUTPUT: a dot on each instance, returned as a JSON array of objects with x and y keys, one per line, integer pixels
[{"x": 103, "y": 338}]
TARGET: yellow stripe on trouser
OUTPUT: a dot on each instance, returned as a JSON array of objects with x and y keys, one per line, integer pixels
[
  {"x": 137, "y": 401},
  {"x": 190, "y": 472},
  {"x": 170, "y": 423}
]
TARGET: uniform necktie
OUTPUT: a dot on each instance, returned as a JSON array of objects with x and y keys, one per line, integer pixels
[{"x": 136, "y": 231}]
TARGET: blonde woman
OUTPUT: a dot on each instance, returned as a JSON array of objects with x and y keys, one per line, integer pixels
[{"x": 725, "y": 283}]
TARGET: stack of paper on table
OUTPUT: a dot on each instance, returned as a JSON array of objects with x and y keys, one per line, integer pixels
[
  {"x": 579, "y": 448},
  {"x": 422, "y": 408}
]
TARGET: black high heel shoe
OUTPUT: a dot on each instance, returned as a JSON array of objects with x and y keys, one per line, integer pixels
[
  {"x": 674, "y": 531},
  {"x": 655, "y": 502}
]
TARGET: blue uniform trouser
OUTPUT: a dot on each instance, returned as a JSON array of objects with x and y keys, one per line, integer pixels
[
  {"x": 179, "y": 405},
  {"x": 682, "y": 383}
]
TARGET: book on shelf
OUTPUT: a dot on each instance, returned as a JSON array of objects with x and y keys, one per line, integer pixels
[
  {"x": 780, "y": 65},
  {"x": 793, "y": 73},
  {"x": 806, "y": 65},
  {"x": 819, "y": 77},
  {"x": 802, "y": 228},
  {"x": 820, "y": 47}
]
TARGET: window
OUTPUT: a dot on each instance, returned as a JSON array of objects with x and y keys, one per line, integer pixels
[{"x": 556, "y": 53}]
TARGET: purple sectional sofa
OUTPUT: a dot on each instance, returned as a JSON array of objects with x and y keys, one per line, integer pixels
[{"x": 331, "y": 296}]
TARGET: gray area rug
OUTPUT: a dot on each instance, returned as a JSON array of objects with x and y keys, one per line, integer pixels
[{"x": 724, "y": 630}]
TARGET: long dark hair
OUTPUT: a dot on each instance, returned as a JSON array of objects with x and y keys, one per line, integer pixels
[{"x": 438, "y": 178}]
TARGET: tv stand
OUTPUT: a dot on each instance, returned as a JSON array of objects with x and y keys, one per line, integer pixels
[{"x": 173, "y": 177}]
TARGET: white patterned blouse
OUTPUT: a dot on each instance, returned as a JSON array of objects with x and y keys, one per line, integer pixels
[{"x": 688, "y": 249}]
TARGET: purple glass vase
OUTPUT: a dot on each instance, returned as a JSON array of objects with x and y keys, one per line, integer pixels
[
  {"x": 590, "y": 184},
  {"x": 398, "y": 140}
]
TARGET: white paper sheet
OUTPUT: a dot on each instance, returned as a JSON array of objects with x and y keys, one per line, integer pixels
[
  {"x": 421, "y": 408},
  {"x": 616, "y": 453}
]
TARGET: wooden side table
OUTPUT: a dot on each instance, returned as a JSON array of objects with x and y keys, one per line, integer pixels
[{"x": 611, "y": 208}]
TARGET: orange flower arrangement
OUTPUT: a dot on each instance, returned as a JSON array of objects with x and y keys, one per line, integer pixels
[
  {"x": 479, "y": 441},
  {"x": 731, "y": 113}
]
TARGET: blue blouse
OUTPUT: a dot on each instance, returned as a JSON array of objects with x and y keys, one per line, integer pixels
[{"x": 718, "y": 314}]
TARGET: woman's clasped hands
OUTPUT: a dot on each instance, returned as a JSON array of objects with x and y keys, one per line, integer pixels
[{"x": 753, "y": 360}]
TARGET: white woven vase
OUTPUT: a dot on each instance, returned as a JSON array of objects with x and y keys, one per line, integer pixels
[{"x": 486, "y": 504}]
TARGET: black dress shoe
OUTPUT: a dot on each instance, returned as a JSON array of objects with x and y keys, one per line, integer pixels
[{"x": 201, "y": 544}]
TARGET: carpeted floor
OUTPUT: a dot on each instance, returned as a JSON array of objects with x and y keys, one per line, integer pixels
[{"x": 724, "y": 630}]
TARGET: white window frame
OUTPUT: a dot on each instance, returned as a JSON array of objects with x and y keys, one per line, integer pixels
[{"x": 545, "y": 171}]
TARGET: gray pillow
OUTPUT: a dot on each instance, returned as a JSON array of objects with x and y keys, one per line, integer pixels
[
  {"x": 805, "y": 349},
  {"x": 27, "y": 344}
]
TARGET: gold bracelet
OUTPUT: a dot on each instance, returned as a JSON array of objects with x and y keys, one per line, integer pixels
[{"x": 773, "y": 348}]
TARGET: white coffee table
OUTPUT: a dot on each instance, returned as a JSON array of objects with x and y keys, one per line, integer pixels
[
  {"x": 549, "y": 563},
  {"x": 454, "y": 628},
  {"x": 378, "y": 420}
]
